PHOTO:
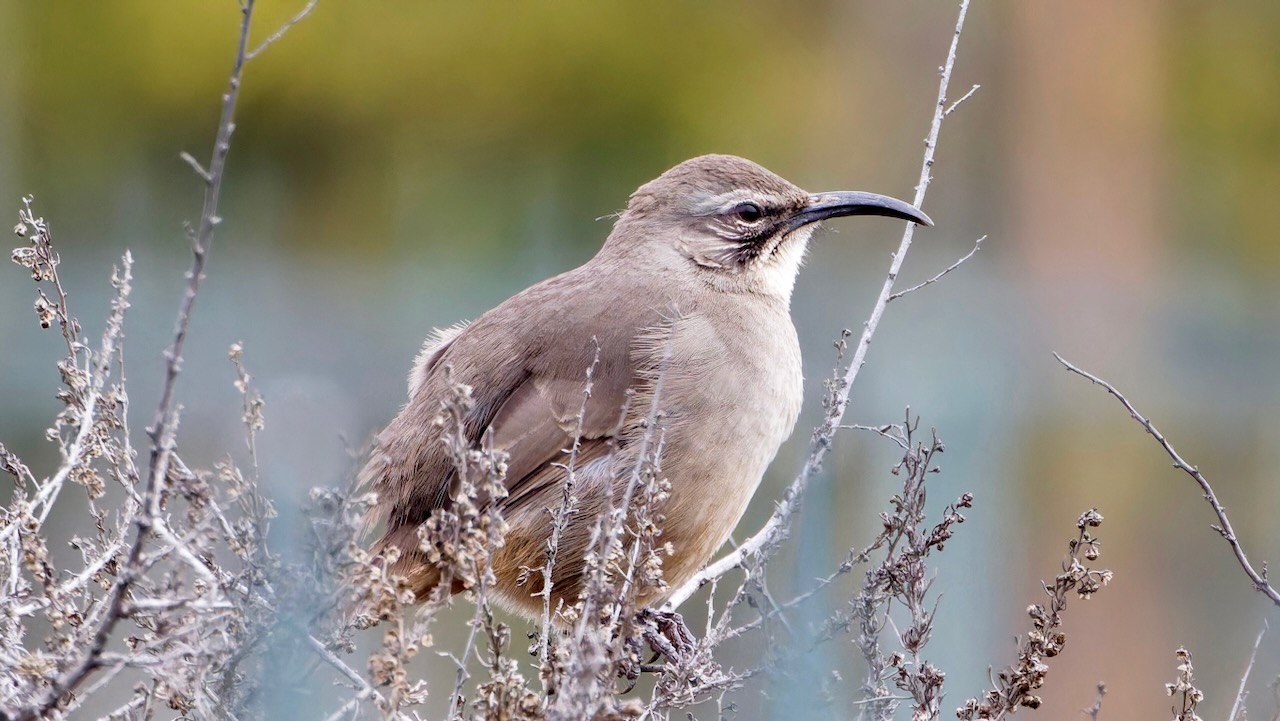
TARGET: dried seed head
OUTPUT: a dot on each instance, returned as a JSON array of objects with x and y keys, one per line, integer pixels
[{"x": 44, "y": 312}]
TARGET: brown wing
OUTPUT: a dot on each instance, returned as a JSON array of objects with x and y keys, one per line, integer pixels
[
  {"x": 527, "y": 389},
  {"x": 536, "y": 428}
]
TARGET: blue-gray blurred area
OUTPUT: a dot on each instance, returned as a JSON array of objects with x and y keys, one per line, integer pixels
[{"x": 398, "y": 166}]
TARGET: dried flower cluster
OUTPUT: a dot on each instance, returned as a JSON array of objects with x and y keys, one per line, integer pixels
[
  {"x": 607, "y": 627},
  {"x": 1184, "y": 693},
  {"x": 183, "y": 563},
  {"x": 903, "y": 579},
  {"x": 1016, "y": 684}
]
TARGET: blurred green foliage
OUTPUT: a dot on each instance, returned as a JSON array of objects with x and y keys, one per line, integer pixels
[
  {"x": 447, "y": 102},
  {"x": 1224, "y": 89}
]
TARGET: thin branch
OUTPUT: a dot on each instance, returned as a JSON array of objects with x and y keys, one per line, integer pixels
[
  {"x": 1224, "y": 529},
  {"x": 775, "y": 528},
  {"x": 341, "y": 667},
  {"x": 977, "y": 244},
  {"x": 306, "y": 10},
  {"x": 462, "y": 675},
  {"x": 888, "y": 431},
  {"x": 1237, "y": 708},
  {"x": 1096, "y": 708},
  {"x": 963, "y": 98},
  {"x": 190, "y": 159},
  {"x": 568, "y": 505},
  {"x": 853, "y": 560},
  {"x": 209, "y": 220}
]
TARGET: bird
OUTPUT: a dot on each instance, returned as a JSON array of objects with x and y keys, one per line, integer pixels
[{"x": 691, "y": 290}]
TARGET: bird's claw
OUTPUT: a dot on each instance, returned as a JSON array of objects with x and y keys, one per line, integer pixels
[
  {"x": 669, "y": 637},
  {"x": 667, "y": 634}
]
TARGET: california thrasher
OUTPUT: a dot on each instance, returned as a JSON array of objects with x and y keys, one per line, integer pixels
[{"x": 699, "y": 268}]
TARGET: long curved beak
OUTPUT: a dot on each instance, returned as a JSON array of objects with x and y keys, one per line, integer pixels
[{"x": 851, "y": 202}]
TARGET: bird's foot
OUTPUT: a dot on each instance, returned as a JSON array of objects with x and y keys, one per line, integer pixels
[{"x": 667, "y": 634}]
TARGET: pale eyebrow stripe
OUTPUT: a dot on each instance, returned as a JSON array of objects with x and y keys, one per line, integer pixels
[{"x": 716, "y": 203}]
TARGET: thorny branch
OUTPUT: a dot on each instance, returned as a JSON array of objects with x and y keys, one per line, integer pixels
[{"x": 1224, "y": 529}]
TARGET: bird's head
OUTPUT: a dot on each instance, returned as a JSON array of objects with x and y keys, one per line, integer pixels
[{"x": 736, "y": 224}]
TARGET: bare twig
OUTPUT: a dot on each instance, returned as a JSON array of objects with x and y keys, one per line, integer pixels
[
  {"x": 963, "y": 98},
  {"x": 852, "y": 561},
  {"x": 1237, "y": 707},
  {"x": 190, "y": 159},
  {"x": 364, "y": 689},
  {"x": 1096, "y": 708},
  {"x": 1224, "y": 528},
  {"x": 163, "y": 422},
  {"x": 279, "y": 33},
  {"x": 775, "y": 528},
  {"x": 568, "y": 504},
  {"x": 977, "y": 244}
]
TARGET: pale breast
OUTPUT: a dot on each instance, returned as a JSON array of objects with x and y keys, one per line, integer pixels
[{"x": 735, "y": 391}]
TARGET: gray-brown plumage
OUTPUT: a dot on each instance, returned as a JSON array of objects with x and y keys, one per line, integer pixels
[{"x": 700, "y": 265}]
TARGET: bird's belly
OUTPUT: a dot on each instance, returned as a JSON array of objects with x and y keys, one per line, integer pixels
[{"x": 715, "y": 466}]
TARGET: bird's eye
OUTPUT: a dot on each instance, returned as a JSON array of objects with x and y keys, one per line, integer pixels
[{"x": 748, "y": 212}]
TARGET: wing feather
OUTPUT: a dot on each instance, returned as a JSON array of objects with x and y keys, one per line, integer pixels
[{"x": 527, "y": 390}]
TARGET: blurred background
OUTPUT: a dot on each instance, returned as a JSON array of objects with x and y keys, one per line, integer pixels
[{"x": 399, "y": 166}]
